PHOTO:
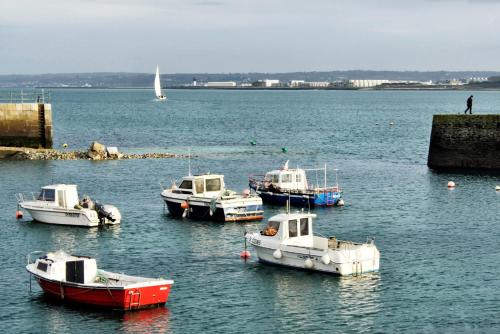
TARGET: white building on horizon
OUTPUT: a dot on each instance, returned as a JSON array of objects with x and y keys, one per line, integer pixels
[{"x": 221, "y": 84}]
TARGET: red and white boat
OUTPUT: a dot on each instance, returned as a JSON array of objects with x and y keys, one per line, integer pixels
[{"x": 77, "y": 279}]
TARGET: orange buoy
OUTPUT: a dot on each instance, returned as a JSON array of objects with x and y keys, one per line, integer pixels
[
  {"x": 245, "y": 254},
  {"x": 19, "y": 214},
  {"x": 184, "y": 205},
  {"x": 451, "y": 184}
]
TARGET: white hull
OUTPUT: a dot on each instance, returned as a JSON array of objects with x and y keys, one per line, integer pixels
[
  {"x": 73, "y": 217},
  {"x": 359, "y": 259}
]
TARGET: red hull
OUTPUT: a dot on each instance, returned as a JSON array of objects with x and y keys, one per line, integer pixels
[{"x": 109, "y": 297}]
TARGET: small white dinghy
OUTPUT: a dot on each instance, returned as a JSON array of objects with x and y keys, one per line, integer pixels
[
  {"x": 59, "y": 204},
  {"x": 288, "y": 240}
]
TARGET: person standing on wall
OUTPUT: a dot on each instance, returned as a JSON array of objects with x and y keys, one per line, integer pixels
[{"x": 469, "y": 105}]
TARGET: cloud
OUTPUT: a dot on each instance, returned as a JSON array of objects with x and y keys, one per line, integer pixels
[{"x": 208, "y": 3}]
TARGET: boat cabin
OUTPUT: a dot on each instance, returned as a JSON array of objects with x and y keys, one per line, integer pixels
[
  {"x": 286, "y": 179},
  {"x": 70, "y": 268},
  {"x": 62, "y": 195},
  {"x": 293, "y": 229},
  {"x": 205, "y": 185}
]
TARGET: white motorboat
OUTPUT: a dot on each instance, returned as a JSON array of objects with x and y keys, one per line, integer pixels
[
  {"x": 288, "y": 240},
  {"x": 60, "y": 204},
  {"x": 158, "y": 92},
  {"x": 205, "y": 197}
]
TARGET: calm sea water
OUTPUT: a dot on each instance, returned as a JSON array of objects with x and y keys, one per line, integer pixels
[{"x": 440, "y": 249}]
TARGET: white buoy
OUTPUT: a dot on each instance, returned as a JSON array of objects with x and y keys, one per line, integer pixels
[
  {"x": 277, "y": 254},
  {"x": 497, "y": 188},
  {"x": 325, "y": 259},
  {"x": 391, "y": 123},
  {"x": 451, "y": 184},
  {"x": 308, "y": 263},
  {"x": 341, "y": 202}
]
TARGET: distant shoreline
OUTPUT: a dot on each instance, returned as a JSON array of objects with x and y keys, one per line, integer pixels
[{"x": 437, "y": 88}]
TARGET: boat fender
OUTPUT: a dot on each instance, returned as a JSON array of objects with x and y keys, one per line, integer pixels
[
  {"x": 341, "y": 202},
  {"x": 277, "y": 254},
  {"x": 184, "y": 205},
  {"x": 325, "y": 259},
  {"x": 308, "y": 263}
]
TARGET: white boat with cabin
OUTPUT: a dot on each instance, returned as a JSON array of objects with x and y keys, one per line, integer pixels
[
  {"x": 205, "y": 197},
  {"x": 59, "y": 204},
  {"x": 288, "y": 240},
  {"x": 157, "y": 84}
]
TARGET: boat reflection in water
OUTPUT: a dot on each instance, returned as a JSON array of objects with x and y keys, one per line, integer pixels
[
  {"x": 351, "y": 303},
  {"x": 61, "y": 315},
  {"x": 155, "y": 320},
  {"x": 359, "y": 300}
]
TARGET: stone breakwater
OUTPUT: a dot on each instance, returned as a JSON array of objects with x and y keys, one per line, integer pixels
[
  {"x": 19, "y": 153},
  {"x": 465, "y": 142}
]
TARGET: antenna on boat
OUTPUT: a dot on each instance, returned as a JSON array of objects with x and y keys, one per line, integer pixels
[
  {"x": 325, "y": 178},
  {"x": 189, "y": 162},
  {"x": 336, "y": 178}
]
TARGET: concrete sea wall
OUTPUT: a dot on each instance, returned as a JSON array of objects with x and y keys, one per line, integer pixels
[
  {"x": 26, "y": 125},
  {"x": 465, "y": 142}
]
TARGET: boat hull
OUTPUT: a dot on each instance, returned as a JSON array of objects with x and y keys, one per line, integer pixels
[
  {"x": 224, "y": 213},
  {"x": 299, "y": 199},
  {"x": 120, "y": 298},
  {"x": 297, "y": 260},
  {"x": 62, "y": 217}
]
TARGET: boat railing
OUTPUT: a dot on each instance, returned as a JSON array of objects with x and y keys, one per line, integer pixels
[
  {"x": 29, "y": 257},
  {"x": 255, "y": 178},
  {"x": 20, "y": 197},
  {"x": 327, "y": 189},
  {"x": 23, "y": 96}
]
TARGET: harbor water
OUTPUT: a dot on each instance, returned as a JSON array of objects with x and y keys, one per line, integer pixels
[{"x": 439, "y": 247}]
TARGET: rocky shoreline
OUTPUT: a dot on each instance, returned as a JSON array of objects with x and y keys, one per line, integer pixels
[{"x": 22, "y": 153}]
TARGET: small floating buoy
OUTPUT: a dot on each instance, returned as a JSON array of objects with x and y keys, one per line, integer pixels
[
  {"x": 341, "y": 202},
  {"x": 184, "y": 205},
  {"x": 253, "y": 143},
  {"x": 245, "y": 254},
  {"x": 308, "y": 263},
  {"x": 391, "y": 123},
  {"x": 451, "y": 185},
  {"x": 65, "y": 145},
  {"x": 19, "y": 214},
  {"x": 284, "y": 149},
  {"x": 497, "y": 188}
]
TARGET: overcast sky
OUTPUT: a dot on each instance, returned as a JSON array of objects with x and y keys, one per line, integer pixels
[{"x": 55, "y": 36}]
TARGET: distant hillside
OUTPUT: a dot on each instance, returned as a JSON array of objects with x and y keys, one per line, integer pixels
[{"x": 117, "y": 80}]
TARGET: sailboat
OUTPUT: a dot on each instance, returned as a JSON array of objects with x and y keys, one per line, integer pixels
[{"x": 158, "y": 92}]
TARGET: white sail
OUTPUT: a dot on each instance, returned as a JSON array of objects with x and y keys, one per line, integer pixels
[{"x": 158, "y": 85}]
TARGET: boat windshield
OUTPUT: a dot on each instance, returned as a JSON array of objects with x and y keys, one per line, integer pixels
[
  {"x": 47, "y": 195},
  {"x": 186, "y": 184},
  {"x": 271, "y": 228}
]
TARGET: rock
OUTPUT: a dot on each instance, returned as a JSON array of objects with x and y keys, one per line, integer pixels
[
  {"x": 98, "y": 147},
  {"x": 94, "y": 155}
]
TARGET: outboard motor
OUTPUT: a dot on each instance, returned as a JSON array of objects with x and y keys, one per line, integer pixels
[{"x": 107, "y": 214}]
